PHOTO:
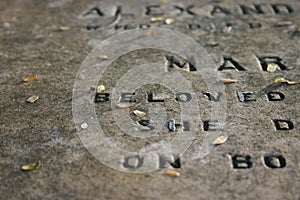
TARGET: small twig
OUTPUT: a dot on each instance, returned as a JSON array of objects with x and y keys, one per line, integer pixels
[{"x": 116, "y": 21}]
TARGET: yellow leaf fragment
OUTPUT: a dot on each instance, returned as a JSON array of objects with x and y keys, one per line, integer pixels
[
  {"x": 139, "y": 113},
  {"x": 212, "y": 43},
  {"x": 227, "y": 29},
  {"x": 226, "y": 80},
  {"x": 84, "y": 125},
  {"x": 100, "y": 89},
  {"x": 283, "y": 80},
  {"x": 284, "y": 23},
  {"x": 150, "y": 32},
  {"x": 31, "y": 78},
  {"x": 81, "y": 77},
  {"x": 173, "y": 173},
  {"x": 220, "y": 140},
  {"x": 116, "y": 21},
  {"x": 169, "y": 21},
  {"x": 293, "y": 82},
  {"x": 64, "y": 28},
  {"x": 124, "y": 105},
  {"x": 103, "y": 57},
  {"x": 156, "y": 19},
  {"x": 31, "y": 166},
  {"x": 32, "y": 99},
  {"x": 272, "y": 67},
  {"x": 280, "y": 80}
]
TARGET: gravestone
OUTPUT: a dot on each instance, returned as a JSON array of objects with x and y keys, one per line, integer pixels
[{"x": 242, "y": 39}]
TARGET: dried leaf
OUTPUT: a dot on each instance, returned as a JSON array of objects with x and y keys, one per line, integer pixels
[
  {"x": 31, "y": 166},
  {"x": 228, "y": 80},
  {"x": 100, "y": 89},
  {"x": 212, "y": 43},
  {"x": 145, "y": 122},
  {"x": 139, "y": 113},
  {"x": 220, "y": 140},
  {"x": 227, "y": 29},
  {"x": 103, "y": 57},
  {"x": 284, "y": 23},
  {"x": 280, "y": 80},
  {"x": 150, "y": 32},
  {"x": 169, "y": 21},
  {"x": 116, "y": 21},
  {"x": 124, "y": 105},
  {"x": 81, "y": 77},
  {"x": 156, "y": 19},
  {"x": 283, "y": 80},
  {"x": 31, "y": 78},
  {"x": 64, "y": 28},
  {"x": 84, "y": 125},
  {"x": 293, "y": 82},
  {"x": 272, "y": 67},
  {"x": 173, "y": 173},
  {"x": 32, "y": 99}
]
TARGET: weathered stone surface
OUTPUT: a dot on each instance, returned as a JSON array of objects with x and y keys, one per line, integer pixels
[{"x": 51, "y": 39}]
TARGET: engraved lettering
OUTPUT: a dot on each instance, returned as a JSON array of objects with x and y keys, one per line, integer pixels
[
  {"x": 245, "y": 96},
  {"x": 254, "y": 25},
  {"x": 151, "y": 98},
  {"x": 171, "y": 62},
  {"x": 265, "y": 60},
  {"x": 247, "y": 10},
  {"x": 154, "y": 10},
  {"x": 220, "y": 10},
  {"x": 241, "y": 161},
  {"x": 133, "y": 162},
  {"x": 188, "y": 9},
  {"x": 183, "y": 97},
  {"x": 164, "y": 162},
  {"x": 186, "y": 126},
  {"x": 233, "y": 64},
  {"x": 94, "y": 11},
  {"x": 209, "y": 125},
  {"x": 283, "y": 124},
  {"x": 127, "y": 97},
  {"x": 194, "y": 26},
  {"x": 275, "y": 96},
  {"x": 147, "y": 123},
  {"x": 101, "y": 97},
  {"x": 213, "y": 98},
  {"x": 274, "y": 161},
  {"x": 129, "y": 26},
  {"x": 93, "y": 26},
  {"x": 282, "y": 8}
]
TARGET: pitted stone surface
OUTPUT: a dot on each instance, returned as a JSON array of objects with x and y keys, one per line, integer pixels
[{"x": 35, "y": 40}]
